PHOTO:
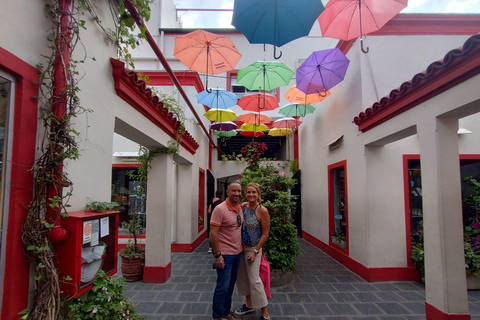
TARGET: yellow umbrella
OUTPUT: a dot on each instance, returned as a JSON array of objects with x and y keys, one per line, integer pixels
[
  {"x": 220, "y": 115},
  {"x": 279, "y": 132},
  {"x": 253, "y": 127}
]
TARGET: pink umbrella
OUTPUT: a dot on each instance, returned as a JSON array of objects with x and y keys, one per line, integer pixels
[
  {"x": 258, "y": 101},
  {"x": 350, "y": 19},
  {"x": 286, "y": 123}
]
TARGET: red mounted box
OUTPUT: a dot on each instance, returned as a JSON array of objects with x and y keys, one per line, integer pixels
[{"x": 69, "y": 252}]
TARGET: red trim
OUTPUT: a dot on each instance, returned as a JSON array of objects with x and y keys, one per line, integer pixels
[
  {"x": 406, "y": 197},
  {"x": 345, "y": 46},
  {"x": 331, "y": 210},
  {"x": 186, "y": 247},
  {"x": 457, "y": 66},
  {"x": 157, "y": 274},
  {"x": 126, "y": 166},
  {"x": 295, "y": 145},
  {"x": 136, "y": 93},
  {"x": 433, "y": 313},
  {"x": 375, "y": 274},
  {"x": 407, "y": 24},
  {"x": 16, "y": 277},
  {"x": 468, "y": 157},
  {"x": 201, "y": 198}
]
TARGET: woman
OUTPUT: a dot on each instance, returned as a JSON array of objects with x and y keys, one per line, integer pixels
[{"x": 255, "y": 231}]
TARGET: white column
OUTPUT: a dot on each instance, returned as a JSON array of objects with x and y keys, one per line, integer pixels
[
  {"x": 159, "y": 212},
  {"x": 445, "y": 275}
]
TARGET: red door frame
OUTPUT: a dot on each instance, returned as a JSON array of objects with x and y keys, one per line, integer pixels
[
  {"x": 331, "y": 204},
  {"x": 16, "y": 277},
  {"x": 201, "y": 198}
]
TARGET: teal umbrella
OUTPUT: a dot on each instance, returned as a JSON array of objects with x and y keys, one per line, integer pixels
[
  {"x": 296, "y": 109},
  {"x": 230, "y": 133},
  {"x": 265, "y": 75}
]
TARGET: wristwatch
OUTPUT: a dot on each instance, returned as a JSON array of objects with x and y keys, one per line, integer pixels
[
  {"x": 256, "y": 251},
  {"x": 218, "y": 255}
]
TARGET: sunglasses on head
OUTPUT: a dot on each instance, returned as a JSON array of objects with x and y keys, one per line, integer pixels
[{"x": 239, "y": 220}]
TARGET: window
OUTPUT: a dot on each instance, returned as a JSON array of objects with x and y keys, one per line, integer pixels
[{"x": 337, "y": 204}]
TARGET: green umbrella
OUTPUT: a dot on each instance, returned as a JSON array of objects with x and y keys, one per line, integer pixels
[
  {"x": 265, "y": 75},
  {"x": 296, "y": 109},
  {"x": 230, "y": 133}
]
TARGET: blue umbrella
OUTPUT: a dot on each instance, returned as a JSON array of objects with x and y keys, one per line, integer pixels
[
  {"x": 217, "y": 98},
  {"x": 275, "y": 22}
]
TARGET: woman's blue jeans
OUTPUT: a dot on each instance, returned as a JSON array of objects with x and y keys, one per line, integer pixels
[{"x": 226, "y": 278}]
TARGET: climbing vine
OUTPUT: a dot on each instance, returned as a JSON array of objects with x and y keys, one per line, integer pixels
[{"x": 59, "y": 104}]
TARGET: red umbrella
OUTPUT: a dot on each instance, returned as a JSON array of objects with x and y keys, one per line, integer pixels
[
  {"x": 350, "y": 19},
  {"x": 258, "y": 101},
  {"x": 206, "y": 52},
  {"x": 252, "y": 134}
]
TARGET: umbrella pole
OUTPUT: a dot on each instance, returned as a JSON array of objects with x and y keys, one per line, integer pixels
[
  {"x": 206, "y": 73},
  {"x": 361, "y": 32}
]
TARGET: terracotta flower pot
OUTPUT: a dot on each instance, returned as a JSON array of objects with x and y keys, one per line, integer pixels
[{"x": 132, "y": 269}]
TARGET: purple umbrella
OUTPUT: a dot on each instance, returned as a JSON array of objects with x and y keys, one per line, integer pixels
[
  {"x": 224, "y": 126},
  {"x": 321, "y": 71}
]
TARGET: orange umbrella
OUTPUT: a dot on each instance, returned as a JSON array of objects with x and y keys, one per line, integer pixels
[
  {"x": 258, "y": 101},
  {"x": 296, "y": 95},
  {"x": 203, "y": 51},
  {"x": 255, "y": 118}
]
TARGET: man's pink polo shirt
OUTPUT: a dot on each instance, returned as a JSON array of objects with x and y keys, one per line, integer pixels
[{"x": 224, "y": 216}]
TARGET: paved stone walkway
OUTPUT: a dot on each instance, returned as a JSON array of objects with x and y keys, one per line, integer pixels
[{"x": 322, "y": 289}]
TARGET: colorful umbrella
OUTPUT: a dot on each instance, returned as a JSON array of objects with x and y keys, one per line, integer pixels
[
  {"x": 224, "y": 126},
  {"x": 255, "y": 118},
  {"x": 286, "y": 123},
  {"x": 264, "y": 75},
  {"x": 295, "y": 95},
  {"x": 350, "y": 19},
  {"x": 220, "y": 115},
  {"x": 296, "y": 109},
  {"x": 253, "y": 127},
  {"x": 275, "y": 22},
  {"x": 252, "y": 134},
  {"x": 280, "y": 132},
  {"x": 258, "y": 101},
  {"x": 230, "y": 133},
  {"x": 217, "y": 98},
  {"x": 206, "y": 52},
  {"x": 321, "y": 71}
]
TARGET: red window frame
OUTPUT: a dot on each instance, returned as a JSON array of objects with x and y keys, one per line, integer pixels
[{"x": 331, "y": 203}]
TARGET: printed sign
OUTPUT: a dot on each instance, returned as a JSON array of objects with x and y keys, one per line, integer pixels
[
  {"x": 104, "y": 227},
  {"x": 87, "y": 231},
  {"x": 95, "y": 232}
]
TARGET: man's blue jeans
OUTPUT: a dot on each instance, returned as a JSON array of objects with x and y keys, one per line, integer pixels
[{"x": 226, "y": 278}]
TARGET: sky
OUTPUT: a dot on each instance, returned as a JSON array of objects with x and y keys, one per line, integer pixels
[{"x": 223, "y": 20}]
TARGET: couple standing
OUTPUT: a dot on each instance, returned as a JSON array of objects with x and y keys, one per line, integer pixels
[{"x": 237, "y": 235}]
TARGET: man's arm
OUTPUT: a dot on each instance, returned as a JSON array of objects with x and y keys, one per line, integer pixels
[{"x": 216, "y": 247}]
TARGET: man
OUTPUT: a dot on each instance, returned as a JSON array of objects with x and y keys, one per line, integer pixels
[{"x": 226, "y": 239}]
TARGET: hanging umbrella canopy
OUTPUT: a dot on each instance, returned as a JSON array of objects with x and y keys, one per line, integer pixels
[
  {"x": 350, "y": 19},
  {"x": 264, "y": 75},
  {"x": 206, "y": 52},
  {"x": 280, "y": 132},
  {"x": 220, "y": 115},
  {"x": 321, "y": 71},
  {"x": 252, "y": 134},
  {"x": 286, "y": 123},
  {"x": 224, "y": 126},
  {"x": 275, "y": 22},
  {"x": 255, "y": 118},
  {"x": 296, "y": 109},
  {"x": 217, "y": 98},
  {"x": 253, "y": 127},
  {"x": 230, "y": 133},
  {"x": 258, "y": 101},
  {"x": 295, "y": 95}
]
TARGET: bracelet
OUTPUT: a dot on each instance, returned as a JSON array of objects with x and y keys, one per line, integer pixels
[
  {"x": 256, "y": 251},
  {"x": 217, "y": 256}
]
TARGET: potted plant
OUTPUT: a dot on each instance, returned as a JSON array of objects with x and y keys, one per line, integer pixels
[{"x": 282, "y": 245}]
